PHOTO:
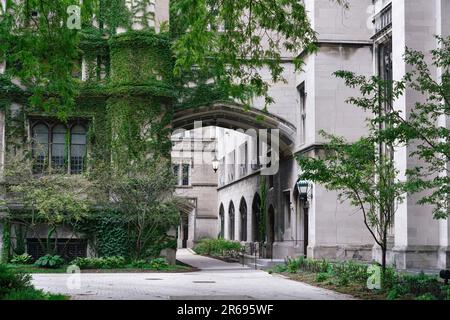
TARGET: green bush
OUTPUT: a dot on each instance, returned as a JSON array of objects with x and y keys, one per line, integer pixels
[
  {"x": 10, "y": 280},
  {"x": 426, "y": 296},
  {"x": 50, "y": 262},
  {"x": 419, "y": 285},
  {"x": 115, "y": 262},
  {"x": 280, "y": 268},
  {"x": 24, "y": 258},
  {"x": 293, "y": 265},
  {"x": 350, "y": 271},
  {"x": 321, "y": 277},
  {"x": 218, "y": 247},
  {"x": 159, "y": 264},
  {"x": 140, "y": 264},
  {"x": 31, "y": 294}
]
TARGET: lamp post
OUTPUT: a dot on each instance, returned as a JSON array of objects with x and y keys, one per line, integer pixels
[{"x": 304, "y": 189}]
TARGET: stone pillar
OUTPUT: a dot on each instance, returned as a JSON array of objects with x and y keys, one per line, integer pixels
[
  {"x": 443, "y": 29},
  {"x": 416, "y": 232}
]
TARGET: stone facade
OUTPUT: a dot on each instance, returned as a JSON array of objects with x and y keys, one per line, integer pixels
[{"x": 314, "y": 100}]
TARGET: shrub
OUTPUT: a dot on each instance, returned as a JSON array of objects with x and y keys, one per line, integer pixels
[
  {"x": 114, "y": 262},
  {"x": 31, "y": 294},
  {"x": 24, "y": 258},
  {"x": 418, "y": 285},
  {"x": 140, "y": 264},
  {"x": 350, "y": 271},
  {"x": 50, "y": 262},
  {"x": 293, "y": 265},
  {"x": 159, "y": 264},
  {"x": 280, "y": 268},
  {"x": 426, "y": 296},
  {"x": 218, "y": 247},
  {"x": 10, "y": 280},
  {"x": 321, "y": 277}
]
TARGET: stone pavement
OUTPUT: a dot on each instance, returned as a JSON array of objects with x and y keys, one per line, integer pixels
[{"x": 216, "y": 280}]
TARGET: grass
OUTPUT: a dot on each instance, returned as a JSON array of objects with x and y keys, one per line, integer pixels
[{"x": 26, "y": 268}]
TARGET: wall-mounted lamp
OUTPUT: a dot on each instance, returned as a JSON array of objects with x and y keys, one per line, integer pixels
[{"x": 215, "y": 164}]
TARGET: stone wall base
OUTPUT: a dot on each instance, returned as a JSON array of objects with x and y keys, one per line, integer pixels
[
  {"x": 341, "y": 252},
  {"x": 281, "y": 250},
  {"x": 419, "y": 257}
]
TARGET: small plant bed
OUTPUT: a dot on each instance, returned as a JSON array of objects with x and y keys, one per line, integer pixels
[
  {"x": 351, "y": 278},
  {"x": 16, "y": 285},
  {"x": 220, "y": 249},
  {"x": 114, "y": 264}
]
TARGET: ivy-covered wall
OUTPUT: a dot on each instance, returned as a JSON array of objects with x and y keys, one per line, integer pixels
[{"x": 129, "y": 109}]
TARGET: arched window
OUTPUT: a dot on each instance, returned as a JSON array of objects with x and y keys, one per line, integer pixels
[
  {"x": 256, "y": 214},
  {"x": 222, "y": 221},
  {"x": 77, "y": 149},
  {"x": 59, "y": 148},
  {"x": 40, "y": 146},
  {"x": 243, "y": 215},
  {"x": 231, "y": 224}
]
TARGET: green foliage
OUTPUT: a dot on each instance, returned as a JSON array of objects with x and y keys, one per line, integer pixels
[
  {"x": 107, "y": 233},
  {"x": 293, "y": 265},
  {"x": 213, "y": 36},
  {"x": 32, "y": 294},
  {"x": 6, "y": 241},
  {"x": 23, "y": 258},
  {"x": 17, "y": 286},
  {"x": 114, "y": 262},
  {"x": 49, "y": 261},
  {"x": 218, "y": 247},
  {"x": 280, "y": 268},
  {"x": 142, "y": 192},
  {"x": 426, "y": 296},
  {"x": 420, "y": 125},
  {"x": 350, "y": 271},
  {"x": 365, "y": 177},
  {"x": 9, "y": 280},
  {"x": 159, "y": 264},
  {"x": 322, "y": 277}
]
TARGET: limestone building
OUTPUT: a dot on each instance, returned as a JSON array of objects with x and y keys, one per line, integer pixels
[{"x": 368, "y": 38}]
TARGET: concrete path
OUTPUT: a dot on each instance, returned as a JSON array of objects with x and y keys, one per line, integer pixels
[{"x": 217, "y": 280}]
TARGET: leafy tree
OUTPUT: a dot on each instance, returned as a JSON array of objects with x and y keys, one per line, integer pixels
[
  {"x": 361, "y": 176},
  {"x": 363, "y": 172},
  {"x": 143, "y": 192},
  {"x": 425, "y": 127},
  {"x": 229, "y": 42},
  {"x": 54, "y": 200}
]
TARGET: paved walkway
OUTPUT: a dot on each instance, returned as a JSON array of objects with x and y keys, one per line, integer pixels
[{"x": 216, "y": 280}]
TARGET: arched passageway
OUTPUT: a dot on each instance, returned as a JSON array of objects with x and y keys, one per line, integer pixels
[{"x": 233, "y": 116}]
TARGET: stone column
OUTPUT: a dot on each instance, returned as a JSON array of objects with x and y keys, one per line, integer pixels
[
  {"x": 416, "y": 232},
  {"x": 443, "y": 29}
]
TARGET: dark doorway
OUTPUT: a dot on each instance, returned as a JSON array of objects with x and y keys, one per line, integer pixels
[
  {"x": 231, "y": 225},
  {"x": 305, "y": 231},
  {"x": 222, "y": 221},
  {"x": 256, "y": 214},
  {"x": 185, "y": 230},
  {"x": 271, "y": 225},
  {"x": 243, "y": 214}
]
